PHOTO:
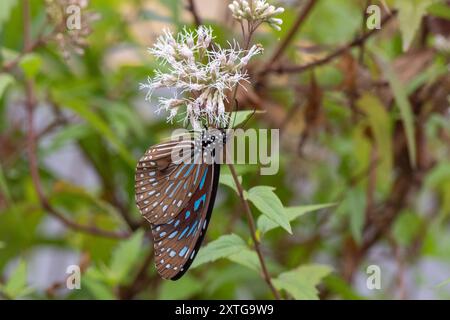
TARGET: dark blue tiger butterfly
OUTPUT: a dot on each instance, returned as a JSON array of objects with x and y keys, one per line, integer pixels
[{"x": 177, "y": 197}]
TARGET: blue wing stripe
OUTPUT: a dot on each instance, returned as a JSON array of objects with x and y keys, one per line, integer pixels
[
  {"x": 180, "y": 170},
  {"x": 199, "y": 202},
  {"x": 183, "y": 233},
  {"x": 175, "y": 190},
  {"x": 203, "y": 179},
  {"x": 189, "y": 170}
]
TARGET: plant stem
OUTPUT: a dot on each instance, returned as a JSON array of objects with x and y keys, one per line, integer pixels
[
  {"x": 31, "y": 103},
  {"x": 251, "y": 224},
  {"x": 337, "y": 53},
  {"x": 193, "y": 9},
  {"x": 301, "y": 18}
]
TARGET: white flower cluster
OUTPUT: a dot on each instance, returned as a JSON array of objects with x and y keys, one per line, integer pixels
[
  {"x": 202, "y": 74},
  {"x": 256, "y": 11}
]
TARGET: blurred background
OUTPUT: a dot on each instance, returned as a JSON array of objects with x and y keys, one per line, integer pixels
[{"x": 364, "y": 159}]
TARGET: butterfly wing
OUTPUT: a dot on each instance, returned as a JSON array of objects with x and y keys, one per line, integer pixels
[
  {"x": 163, "y": 188},
  {"x": 178, "y": 241}
]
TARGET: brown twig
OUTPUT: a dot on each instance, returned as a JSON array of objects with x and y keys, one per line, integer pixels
[
  {"x": 31, "y": 148},
  {"x": 357, "y": 42},
  {"x": 301, "y": 18},
  {"x": 251, "y": 224},
  {"x": 193, "y": 9}
]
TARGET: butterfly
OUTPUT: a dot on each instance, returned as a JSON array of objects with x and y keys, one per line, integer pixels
[{"x": 175, "y": 185}]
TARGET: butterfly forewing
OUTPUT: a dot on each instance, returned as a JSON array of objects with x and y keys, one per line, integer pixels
[{"x": 162, "y": 187}]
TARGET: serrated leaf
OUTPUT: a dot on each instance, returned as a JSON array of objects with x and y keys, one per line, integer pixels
[
  {"x": 410, "y": 16},
  {"x": 301, "y": 282},
  {"x": 30, "y": 64},
  {"x": 404, "y": 105},
  {"x": 221, "y": 248},
  {"x": 125, "y": 256},
  {"x": 292, "y": 213},
  {"x": 16, "y": 285},
  {"x": 266, "y": 201},
  {"x": 227, "y": 180},
  {"x": 5, "y": 81}
]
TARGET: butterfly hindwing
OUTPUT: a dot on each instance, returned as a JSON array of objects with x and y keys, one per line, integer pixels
[{"x": 178, "y": 241}]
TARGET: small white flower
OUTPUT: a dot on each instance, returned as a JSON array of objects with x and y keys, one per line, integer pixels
[
  {"x": 442, "y": 43},
  {"x": 202, "y": 73},
  {"x": 257, "y": 11}
]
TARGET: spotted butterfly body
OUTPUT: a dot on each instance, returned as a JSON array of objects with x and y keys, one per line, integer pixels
[{"x": 177, "y": 198}]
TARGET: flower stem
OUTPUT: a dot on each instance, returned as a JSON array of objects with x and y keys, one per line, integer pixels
[{"x": 251, "y": 224}]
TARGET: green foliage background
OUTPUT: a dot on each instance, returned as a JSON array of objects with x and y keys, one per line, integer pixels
[{"x": 364, "y": 167}]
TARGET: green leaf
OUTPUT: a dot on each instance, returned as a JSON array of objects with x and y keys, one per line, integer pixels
[
  {"x": 227, "y": 179},
  {"x": 410, "y": 16},
  {"x": 439, "y": 175},
  {"x": 381, "y": 126},
  {"x": 292, "y": 213},
  {"x": 16, "y": 286},
  {"x": 4, "y": 189},
  {"x": 99, "y": 290},
  {"x": 69, "y": 132},
  {"x": 240, "y": 117},
  {"x": 335, "y": 25},
  {"x": 337, "y": 285},
  {"x": 5, "y": 81},
  {"x": 301, "y": 282},
  {"x": 96, "y": 122},
  {"x": 355, "y": 205},
  {"x": 31, "y": 64},
  {"x": 123, "y": 119},
  {"x": 406, "y": 227},
  {"x": 5, "y": 10},
  {"x": 184, "y": 288},
  {"x": 246, "y": 257},
  {"x": 440, "y": 9},
  {"x": 125, "y": 256},
  {"x": 221, "y": 248},
  {"x": 437, "y": 69},
  {"x": 174, "y": 7},
  {"x": 270, "y": 205},
  {"x": 403, "y": 104}
]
